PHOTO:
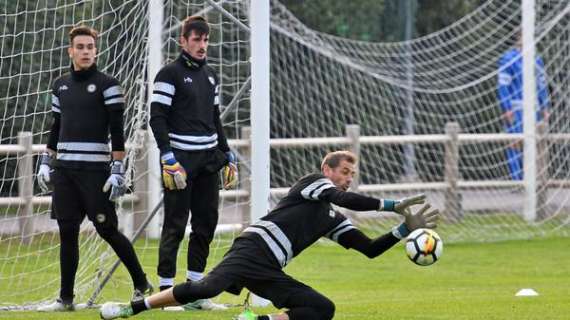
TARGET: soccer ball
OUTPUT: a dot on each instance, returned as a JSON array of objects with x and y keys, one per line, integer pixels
[{"x": 424, "y": 247}]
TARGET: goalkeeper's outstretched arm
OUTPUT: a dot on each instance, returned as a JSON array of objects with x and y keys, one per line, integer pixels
[
  {"x": 358, "y": 202},
  {"x": 355, "y": 239},
  {"x": 425, "y": 217}
]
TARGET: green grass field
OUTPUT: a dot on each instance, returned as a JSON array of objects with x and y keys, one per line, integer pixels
[{"x": 472, "y": 281}]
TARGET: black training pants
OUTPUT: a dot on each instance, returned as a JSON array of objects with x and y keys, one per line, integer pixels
[
  {"x": 77, "y": 193},
  {"x": 200, "y": 197}
]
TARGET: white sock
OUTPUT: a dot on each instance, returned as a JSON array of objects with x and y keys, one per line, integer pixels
[
  {"x": 163, "y": 282},
  {"x": 146, "y": 304},
  {"x": 194, "y": 276}
]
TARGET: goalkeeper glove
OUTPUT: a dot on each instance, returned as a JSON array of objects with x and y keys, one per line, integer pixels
[
  {"x": 116, "y": 181},
  {"x": 400, "y": 206},
  {"x": 230, "y": 173},
  {"x": 44, "y": 171},
  {"x": 424, "y": 218},
  {"x": 173, "y": 174}
]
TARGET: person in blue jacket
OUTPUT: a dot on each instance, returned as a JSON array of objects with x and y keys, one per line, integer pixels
[{"x": 510, "y": 94}]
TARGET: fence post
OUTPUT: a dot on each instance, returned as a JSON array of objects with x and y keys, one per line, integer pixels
[
  {"x": 353, "y": 134},
  {"x": 25, "y": 187},
  {"x": 453, "y": 208},
  {"x": 542, "y": 172},
  {"x": 140, "y": 207},
  {"x": 245, "y": 177}
]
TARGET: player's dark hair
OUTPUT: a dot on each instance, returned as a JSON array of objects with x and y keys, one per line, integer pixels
[
  {"x": 82, "y": 31},
  {"x": 196, "y": 23},
  {"x": 333, "y": 159}
]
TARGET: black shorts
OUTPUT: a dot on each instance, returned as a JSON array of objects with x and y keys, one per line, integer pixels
[
  {"x": 248, "y": 265},
  {"x": 77, "y": 193}
]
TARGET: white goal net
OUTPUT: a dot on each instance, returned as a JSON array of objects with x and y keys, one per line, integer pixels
[
  {"x": 422, "y": 115},
  {"x": 405, "y": 97},
  {"x": 33, "y": 44}
]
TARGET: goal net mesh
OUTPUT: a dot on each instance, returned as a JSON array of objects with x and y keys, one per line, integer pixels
[
  {"x": 321, "y": 83},
  {"x": 33, "y": 45},
  {"x": 403, "y": 96}
]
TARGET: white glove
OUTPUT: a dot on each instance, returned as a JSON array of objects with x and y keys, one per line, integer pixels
[
  {"x": 44, "y": 171},
  {"x": 116, "y": 181}
]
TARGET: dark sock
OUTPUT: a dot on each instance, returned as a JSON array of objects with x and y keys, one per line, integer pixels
[
  {"x": 138, "y": 306},
  {"x": 263, "y": 317},
  {"x": 162, "y": 288}
]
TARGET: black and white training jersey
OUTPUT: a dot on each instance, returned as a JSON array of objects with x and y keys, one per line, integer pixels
[
  {"x": 87, "y": 105},
  {"x": 305, "y": 215},
  {"x": 185, "y": 111}
]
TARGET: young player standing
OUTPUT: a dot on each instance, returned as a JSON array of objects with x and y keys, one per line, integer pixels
[
  {"x": 185, "y": 120},
  {"x": 257, "y": 256},
  {"x": 87, "y": 105}
]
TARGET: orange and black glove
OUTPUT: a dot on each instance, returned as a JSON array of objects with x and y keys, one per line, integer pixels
[
  {"x": 230, "y": 171},
  {"x": 173, "y": 174}
]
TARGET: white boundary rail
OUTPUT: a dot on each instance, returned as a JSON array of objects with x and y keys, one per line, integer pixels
[{"x": 451, "y": 185}]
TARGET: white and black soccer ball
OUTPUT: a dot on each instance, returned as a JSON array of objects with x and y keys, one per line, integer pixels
[{"x": 424, "y": 247}]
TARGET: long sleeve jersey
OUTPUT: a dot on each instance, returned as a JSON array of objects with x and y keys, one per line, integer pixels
[
  {"x": 510, "y": 84},
  {"x": 185, "y": 112},
  {"x": 305, "y": 214},
  {"x": 87, "y": 106}
]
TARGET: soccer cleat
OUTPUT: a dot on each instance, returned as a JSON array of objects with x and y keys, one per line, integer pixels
[
  {"x": 139, "y": 294},
  {"x": 57, "y": 306},
  {"x": 246, "y": 315},
  {"x": 114, "y": 310},
  {"x": 204, "y": 304}
]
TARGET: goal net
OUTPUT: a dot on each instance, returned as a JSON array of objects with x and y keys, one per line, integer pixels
[
  {"x": 395, "y": 104},
  {"x": 405, "y": 97},
  {"x": 33, "y": 45}
]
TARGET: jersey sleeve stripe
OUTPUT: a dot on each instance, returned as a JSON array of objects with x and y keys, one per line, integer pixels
[
  {"x": 315, "y": 194},
  {"x": 164, "y": 87},
  {"x": 115, "y": 100},
  {"x": 55, "y": 100},
  {"x": 340, "y": 229},
  {"x": 113, "y": 91},
  {"x": 306, "y": 192},
  {"x": 159, "y": 98},
  {"x": 216, "y": 100},
  {"x": 55, "y": 109}
]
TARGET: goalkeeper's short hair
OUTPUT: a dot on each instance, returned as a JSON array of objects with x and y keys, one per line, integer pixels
[
  {"x": 82, "y": 30},
  {"x": 333, "y": 159},
  {"x": 197, "y": 23}
]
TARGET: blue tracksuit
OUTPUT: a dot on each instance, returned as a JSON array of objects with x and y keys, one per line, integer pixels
[{"x": 510, "y": 94}]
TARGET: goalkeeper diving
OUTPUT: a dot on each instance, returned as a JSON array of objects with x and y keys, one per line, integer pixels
[{"x": 258, "y": 255}]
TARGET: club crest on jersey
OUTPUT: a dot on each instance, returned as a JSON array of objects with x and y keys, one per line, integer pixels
[
  {"x": 100, "y": 218},
  {"x": 91, "y": 88},
  {"x": 212, "y": 80},
  {"x": 187, "y": 80}
]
